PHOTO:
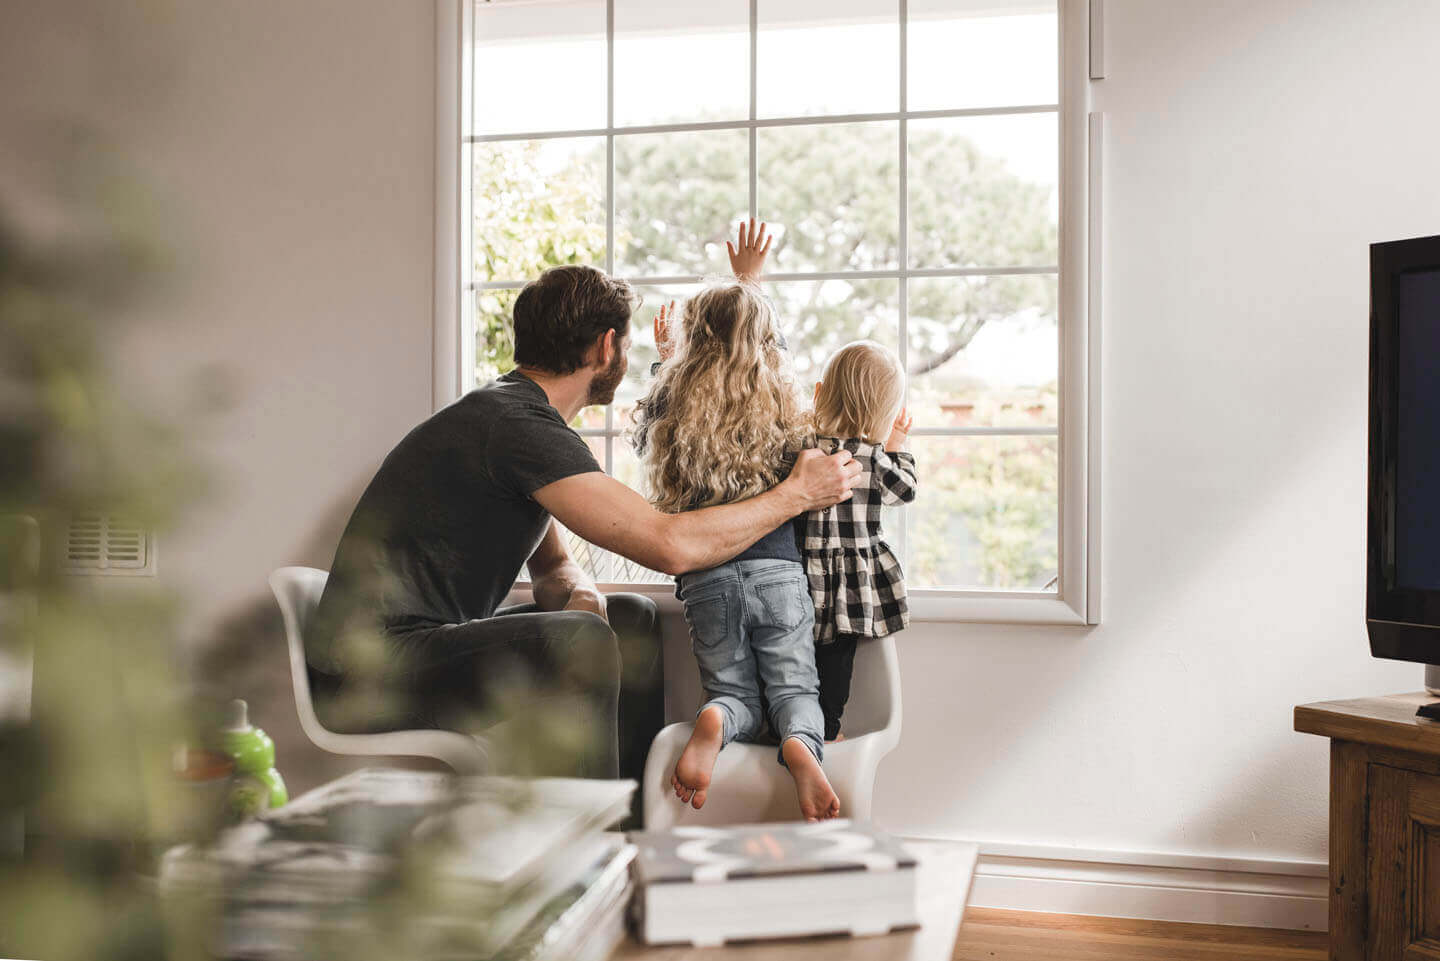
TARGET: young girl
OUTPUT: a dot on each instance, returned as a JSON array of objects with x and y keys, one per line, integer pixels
[
  {"x": 855, "y": 580},
  {"x": 722, "y": 423}
]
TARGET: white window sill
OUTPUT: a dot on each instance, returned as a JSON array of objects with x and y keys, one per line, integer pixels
[{"x": 926, "y": 606}]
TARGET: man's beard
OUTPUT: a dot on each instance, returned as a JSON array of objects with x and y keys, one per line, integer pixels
[{"x": 602, "y": 388}]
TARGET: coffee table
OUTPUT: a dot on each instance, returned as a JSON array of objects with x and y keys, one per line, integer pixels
[{"x": 946, "y": 870}]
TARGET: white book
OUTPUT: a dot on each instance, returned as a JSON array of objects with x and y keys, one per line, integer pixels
[{"x": 705, "y": 886}]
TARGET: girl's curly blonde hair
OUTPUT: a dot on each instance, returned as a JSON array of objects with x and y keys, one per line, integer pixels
[{"x": 724, "y": 410}]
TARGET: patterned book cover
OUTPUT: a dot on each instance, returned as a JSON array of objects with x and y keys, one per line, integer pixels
[{"x": 707, "y": 855}]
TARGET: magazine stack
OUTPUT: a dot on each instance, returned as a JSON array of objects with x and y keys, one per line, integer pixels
[{"x": 507, "y": 869}]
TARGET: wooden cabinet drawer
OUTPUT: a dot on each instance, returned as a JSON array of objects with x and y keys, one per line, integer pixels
[{"x": 1403, "y": 835}]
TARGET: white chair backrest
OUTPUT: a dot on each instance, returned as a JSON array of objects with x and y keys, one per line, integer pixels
[
  {"x": 298, "y": 590},
  {"x": 874, "y": 688}
]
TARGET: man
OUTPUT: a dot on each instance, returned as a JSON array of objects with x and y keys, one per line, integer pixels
[{"x": 409, "y": 630}]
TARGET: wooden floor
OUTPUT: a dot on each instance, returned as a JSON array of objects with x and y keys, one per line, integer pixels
[{"x": 991, "y": 935}]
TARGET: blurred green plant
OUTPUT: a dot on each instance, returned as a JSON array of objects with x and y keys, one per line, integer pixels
[
  {"x": 88, "y": 783},
  {"x": 89, "y": 798}
]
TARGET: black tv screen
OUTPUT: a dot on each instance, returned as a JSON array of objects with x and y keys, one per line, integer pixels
[
  {"x": 1403, "y": 567},
  {"x": 1417, "y": 423}
]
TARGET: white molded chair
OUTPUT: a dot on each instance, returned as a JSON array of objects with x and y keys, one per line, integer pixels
[
  {"x": 298, "y": 590},
  {"x": 749, "y": 786}
]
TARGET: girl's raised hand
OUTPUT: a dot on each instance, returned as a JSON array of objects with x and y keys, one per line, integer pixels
[
  {"x": 664, "y": 342},
  {"x": 899, "y": 431},
  {"x": 747, "y": 253}
]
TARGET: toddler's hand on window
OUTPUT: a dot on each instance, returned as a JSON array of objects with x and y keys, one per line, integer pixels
[
  {"x": 899, "y": 431},
  {"x": 747, "y": 253},
  {"x": 664, "y": 333}
]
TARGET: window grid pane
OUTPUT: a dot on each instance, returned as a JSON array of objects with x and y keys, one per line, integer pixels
[{"x": 611, "y": 436}]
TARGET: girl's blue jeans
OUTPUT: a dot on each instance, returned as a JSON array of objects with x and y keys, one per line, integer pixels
[{"x": 750, "y": 622}]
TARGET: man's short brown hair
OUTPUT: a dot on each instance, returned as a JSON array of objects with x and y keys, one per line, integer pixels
[{"x": 559, "y": 316}]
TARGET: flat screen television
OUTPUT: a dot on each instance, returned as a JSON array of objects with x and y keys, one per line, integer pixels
[{"x": 1402, "y": 608}]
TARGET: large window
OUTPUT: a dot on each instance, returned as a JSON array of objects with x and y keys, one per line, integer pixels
[{"x": 908, "y": 158}]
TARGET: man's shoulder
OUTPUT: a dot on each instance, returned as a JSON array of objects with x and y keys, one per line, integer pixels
[
  {"x": 506, "y": 397},
  {"x": 465, "y": 427}
]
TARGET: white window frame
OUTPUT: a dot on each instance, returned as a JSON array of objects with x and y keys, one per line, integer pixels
[{"x": 1076, "y": 601}]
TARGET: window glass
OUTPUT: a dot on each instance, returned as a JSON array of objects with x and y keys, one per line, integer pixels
[
  {"x": 831, "y": 191},
  {"x": 968, "y": 296},
  {"x": 984, "y": 351},
  {"x": 987, "y": 514},
  {"x": 984, "y": 191},
  {"x": 1000, "y": 53},
  {"x": 681, "y": 62},
  {"x": 827, "y": 57},
  {"x": 558, "y": 47},
  {"x": 677, "y": 197},
  {"x": 537, "y": 204}
]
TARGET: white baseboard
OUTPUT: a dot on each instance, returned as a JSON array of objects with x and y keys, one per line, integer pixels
[{"x": 1158, "y": 887}]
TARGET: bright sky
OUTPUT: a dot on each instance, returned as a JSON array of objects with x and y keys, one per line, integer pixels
[{"x": 541, "y": 66}]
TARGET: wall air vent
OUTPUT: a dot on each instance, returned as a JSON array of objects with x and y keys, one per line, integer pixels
[{"x": 102, "y": 544}]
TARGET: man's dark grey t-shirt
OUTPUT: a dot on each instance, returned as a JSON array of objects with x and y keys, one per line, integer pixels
[{"x": 442, "y": 531}]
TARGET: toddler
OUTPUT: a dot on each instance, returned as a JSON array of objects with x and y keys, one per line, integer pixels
[{"x": 855, "y": 580}]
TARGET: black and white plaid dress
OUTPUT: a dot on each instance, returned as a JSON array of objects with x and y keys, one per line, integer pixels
[{"x": 855, "y": 579}]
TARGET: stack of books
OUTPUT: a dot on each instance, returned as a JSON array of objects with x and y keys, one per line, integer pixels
[
  {"x": 705, "y": 886},
  {"x": 507, "y": 869}
]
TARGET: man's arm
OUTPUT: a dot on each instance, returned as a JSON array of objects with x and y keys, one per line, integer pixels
[
  {"x": 557, "y": 582},
  {"x": 610, "y": 515}
]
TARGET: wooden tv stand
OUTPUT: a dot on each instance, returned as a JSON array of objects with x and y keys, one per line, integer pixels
[{"x": 1384, "y": 826}]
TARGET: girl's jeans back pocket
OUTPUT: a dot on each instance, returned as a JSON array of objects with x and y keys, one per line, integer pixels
[
  {"x": 709, "y": 620},
  {"x": 786, "y": 603}
]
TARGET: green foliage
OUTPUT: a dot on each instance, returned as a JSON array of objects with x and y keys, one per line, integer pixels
[
  {"x": 998, "y": 495},
  {"x": 677, "y": 198},
  {"x": 529, "y": 213},
  {"x": 829, "y": 191}
]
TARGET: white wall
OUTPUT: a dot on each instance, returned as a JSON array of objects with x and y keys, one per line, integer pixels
[
  {"x": 1255, "y": 149},
  {"x": 302, "y": 144}
]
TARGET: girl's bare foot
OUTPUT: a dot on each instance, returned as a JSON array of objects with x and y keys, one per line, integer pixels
[
  {"x": 691, "y": 779},
  {"x": 812, "y": 788}
]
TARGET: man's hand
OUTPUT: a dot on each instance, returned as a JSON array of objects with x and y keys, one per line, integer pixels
[
  {"x": 747, "y": 253},
  {"x": 587, "y": 599},
  {"x": 664, "y": 331},
  {"x": 820, "y": 480},
  {"x": 899, "y": 432}
]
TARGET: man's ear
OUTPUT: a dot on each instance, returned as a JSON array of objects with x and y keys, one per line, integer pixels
[
  {"x": 605, "y": 347},
  {"x": 612, "y": 347}
]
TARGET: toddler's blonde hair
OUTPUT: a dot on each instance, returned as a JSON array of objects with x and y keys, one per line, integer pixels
[
  {"x": 717, "y": 423},
  {"x": 861, "y": 392}
]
